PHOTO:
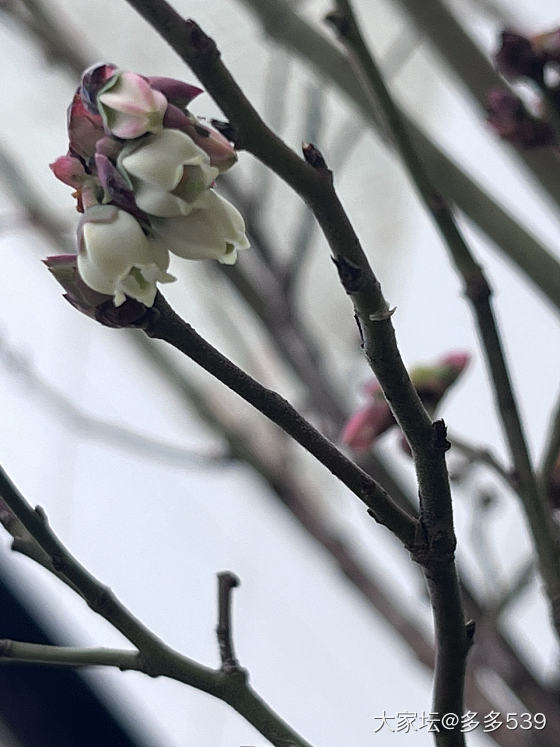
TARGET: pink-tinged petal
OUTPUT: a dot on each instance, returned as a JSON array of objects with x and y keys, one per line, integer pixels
[
  {"x": 127, "y": 127},
  {"x": 130, "y": 107},
  {"x": 69, "y": 170},
  {"x": 366, "y": 425},
  {"x": 133, "y": 95},
  {"x": 175, "y": 91}
]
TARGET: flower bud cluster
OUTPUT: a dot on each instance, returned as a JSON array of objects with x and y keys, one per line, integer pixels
[
  {"x": 535, "y": 60},
  {"x": 432, "y": 382},
  {"x": 143, "y": 169}
]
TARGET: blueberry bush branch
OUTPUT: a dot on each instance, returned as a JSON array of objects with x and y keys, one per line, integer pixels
[
  {"x": 477, "y": 290},
  {"x": 436, "y": 20},
  {"x": 153, "y": 657},
  {"x": 287, "y": 487},
  {"x": 166, "y": 325},
  {"x": 313, "y": 155},
  {"x": 434, "y": 540},
  {"x": 506, "y": 234}
]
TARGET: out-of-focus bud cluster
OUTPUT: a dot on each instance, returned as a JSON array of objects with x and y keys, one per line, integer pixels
[
  {"x": 143, "y": 169},
  {"x": 533, "y": 59},
  {"x": 431, "y": 382}
]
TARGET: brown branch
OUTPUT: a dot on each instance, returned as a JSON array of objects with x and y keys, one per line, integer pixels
[
  {"x": 478, "y": 292},
  {"x": 153, "y": 656},
  {"x": 474, "y": 70},
  {"x": 165, "y": 325},
  {"x": 227, "y": 581},
  {"x": 492, "y": 649},
  {"x": 283, "y": 23}
]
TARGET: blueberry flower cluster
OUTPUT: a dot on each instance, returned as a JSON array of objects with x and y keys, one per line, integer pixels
[{"x": 143, "y": 169}]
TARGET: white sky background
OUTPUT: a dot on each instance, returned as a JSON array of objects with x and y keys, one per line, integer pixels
[{"x": 156, "y": 533}]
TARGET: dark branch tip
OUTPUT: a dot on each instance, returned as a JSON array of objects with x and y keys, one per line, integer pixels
[
  {"x": 314, "y": 157},
  {"x": 228, "y": 579},
  {"x": 41, "y": 513}
]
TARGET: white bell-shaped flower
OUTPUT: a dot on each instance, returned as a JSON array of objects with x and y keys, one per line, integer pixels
[
  {"x": 168, "y": 172},
  {"x": 116, "y": 258},
  {"x": 214, "y": 229}
]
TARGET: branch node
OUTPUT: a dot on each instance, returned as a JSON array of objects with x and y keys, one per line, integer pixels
[
  {"x": 42, "y": 514},
  {"x": 477, "y": 289},
  {"x": 351, "y": 275},
  {"x": 360, "y": 330},
  {"x": 440, "y": 435},
  {"x": 314, "y": 157},
  {"x": 200, "y": 44}
]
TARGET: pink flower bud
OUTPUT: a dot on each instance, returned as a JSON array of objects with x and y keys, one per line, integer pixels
[
  {"x": 130, "y": 107},
  {"x": 431, "y": 382},
  {"x": 69, "y": 170},
  {"x": 367, "y": 424}
]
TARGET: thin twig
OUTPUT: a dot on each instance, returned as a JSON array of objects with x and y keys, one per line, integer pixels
[
  {"x": 69, "y": 656},
  {"x": 478, "y": 292},
  {"x": 306, "y": 224},
  {"x": 93, "y": 427},
  {"x": 227, "y": 581},
  {"x": 284, "y": 24},
  {"x": 166, "y": 325},
  {"x": 492, "y": 648},
  {"x": 153, "y": 656}
]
